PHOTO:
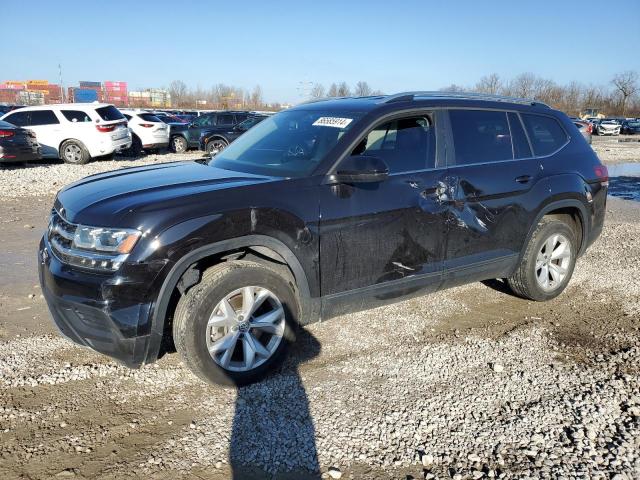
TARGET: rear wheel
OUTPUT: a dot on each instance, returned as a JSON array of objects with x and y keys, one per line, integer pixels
[
  {"x": 179, "y": 144},
  {"x": 235, "y": 325},
  {"x": 548, "y": 262},
  {"x": 215, "y": 146},
  {"x": 74, "y": 152}
]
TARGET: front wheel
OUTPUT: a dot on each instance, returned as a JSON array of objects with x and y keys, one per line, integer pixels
[
  {"x": 235, "y": 325},
  {"x": 548, "y": 262}
]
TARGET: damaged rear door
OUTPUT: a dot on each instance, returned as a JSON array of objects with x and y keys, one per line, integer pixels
[
  {"x": 495, "y": 186},
  {"x": 385, "y": 240}
]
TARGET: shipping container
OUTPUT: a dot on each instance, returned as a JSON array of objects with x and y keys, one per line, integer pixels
[
  {"x": 84, "y": 95},
  {"x": 37, "y": 82},
  {"x": 110, "y": 84},
  {"x": 86, "y": 84},
  {"x": 15, "y": 82},
  {"x": 12, "y": 86}
]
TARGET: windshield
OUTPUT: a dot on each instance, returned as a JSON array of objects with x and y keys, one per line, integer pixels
[{"x": 289, "y": 144}]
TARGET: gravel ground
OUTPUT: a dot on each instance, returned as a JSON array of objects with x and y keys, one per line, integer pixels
[
  {"x": 45, "y": 179},
  {"x": 466, "y": 383}
]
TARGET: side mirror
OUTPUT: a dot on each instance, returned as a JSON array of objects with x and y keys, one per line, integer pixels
[{"x": 360, "y": 169}]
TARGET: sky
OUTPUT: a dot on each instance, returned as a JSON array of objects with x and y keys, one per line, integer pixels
[{"x": 284, "y": 45}]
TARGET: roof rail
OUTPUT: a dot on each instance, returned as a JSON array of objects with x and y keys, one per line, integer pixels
[{"x": 410, "y": 96}]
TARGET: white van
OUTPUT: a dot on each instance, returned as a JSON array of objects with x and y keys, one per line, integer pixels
[{"x": 74, "y": 132}]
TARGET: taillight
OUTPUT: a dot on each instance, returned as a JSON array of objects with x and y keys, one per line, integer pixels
[
  {"x": 6, "y": 133},
  {"x": 589, "y": 128},
  {"x": 146, "y": 125},
  {"x": 602, "y": 173},
  {"x": 106, "y": 128}
]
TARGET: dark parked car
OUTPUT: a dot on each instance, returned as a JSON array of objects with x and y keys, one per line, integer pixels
[
  {"x": 320, "y": 210},
  {"x": 630, "y": 127},
  {"x": 17, "y": 144},
  {"x": 215, "y": 139},
  {"x": 184, "y": 137}
]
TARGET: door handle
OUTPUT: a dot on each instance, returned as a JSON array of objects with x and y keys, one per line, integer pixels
[{"x": 523, "y": 178}]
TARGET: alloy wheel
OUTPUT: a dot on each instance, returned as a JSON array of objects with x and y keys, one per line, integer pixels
[
  {"x": 245, "y": 328},
  {"x": 552, "y": 262},
  {"x": 73, "y": 153}
]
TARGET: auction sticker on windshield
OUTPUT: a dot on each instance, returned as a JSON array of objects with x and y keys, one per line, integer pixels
[{"x": 336, "y": 122}]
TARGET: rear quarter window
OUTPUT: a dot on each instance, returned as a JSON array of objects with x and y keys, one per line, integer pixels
[
  {"x": 109, "y": 113},
  {"x": 546, "y": 133},
  {"x": 149, "y": 117}
]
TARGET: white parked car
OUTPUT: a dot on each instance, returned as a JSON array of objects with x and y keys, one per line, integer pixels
[
  {"x": 148, "y": 132},
  {"x": 74, "y": 132},
  {"x": 608, "y": 127}
]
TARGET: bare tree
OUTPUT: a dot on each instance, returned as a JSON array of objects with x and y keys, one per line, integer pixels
[
  {"x": 333, "y": 90},
  {"x": 344, "y": 90},
  {"x": 627, "y": 85},
  {"x": 178, "y": 92},
  {"x": 490, "y": 84},
  {"x": 362, "y": 89},
  {"x": 317, "y": 91},
  {"x": 255, "y": 99},
  {"x": 453, "y": 88},
  {"x": 522, "y": 85}
]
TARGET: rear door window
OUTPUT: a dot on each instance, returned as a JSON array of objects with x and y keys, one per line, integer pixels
[
  {"x": 225, "y": 120},
  {"x": 406, "y": 145},
  {"x": 20, "y": 119},
  {"x": 76, "y": 116},
  {"x": 521, "y": 147},
  {"x": 546, "y": 133},
  {"x": 109, "y": 113},
  {"x": 480, "y": 136},
  {"x": 43, "y": 117}
]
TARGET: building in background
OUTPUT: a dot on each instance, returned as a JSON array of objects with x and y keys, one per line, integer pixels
[{"x": 150, "y": 98}]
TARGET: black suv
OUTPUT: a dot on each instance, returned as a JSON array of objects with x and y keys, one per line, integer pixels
[
  {"x": 184, "y": 137},
  {"x": 323, "y": 209},
  {"x": 215, "y": 139}
]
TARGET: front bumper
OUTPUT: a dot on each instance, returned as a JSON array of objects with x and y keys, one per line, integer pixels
[{"x": 101, "y": 312}]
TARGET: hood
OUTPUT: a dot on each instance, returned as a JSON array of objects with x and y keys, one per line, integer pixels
[{"x": 108, "y": 198}]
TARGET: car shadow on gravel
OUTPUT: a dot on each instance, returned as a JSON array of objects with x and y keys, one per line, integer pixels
[{"x": 272, "y": 441}]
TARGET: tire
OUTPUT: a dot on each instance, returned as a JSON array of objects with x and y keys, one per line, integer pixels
[
  {"x": 526, "y": 281},
  {"x": 179, "y": 144},
  {"x": 214, "y": 144},
  {"x": 135, "y": 150},
  {"x": 193, "y": 337},
  {"x": 74, "y": 152}
]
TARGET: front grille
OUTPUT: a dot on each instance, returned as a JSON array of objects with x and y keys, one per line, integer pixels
[{"x": 61, "y": 234}]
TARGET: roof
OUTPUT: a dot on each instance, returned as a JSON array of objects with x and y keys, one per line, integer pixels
[
  {"x": 62, "y": 105},
  {"x": 418, "y": 98}
]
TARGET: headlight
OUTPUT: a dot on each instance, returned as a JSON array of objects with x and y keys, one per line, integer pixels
[
  {"x": 112, "y": 240},
  {"x": 95, "y": 248}
]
